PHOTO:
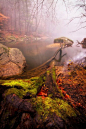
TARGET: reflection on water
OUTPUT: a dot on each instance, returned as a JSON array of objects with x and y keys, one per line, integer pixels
[
  {"x": 75, "y": 53},
  {"x": 35, "y": 53},
  {"x": 39, "y": 52}
]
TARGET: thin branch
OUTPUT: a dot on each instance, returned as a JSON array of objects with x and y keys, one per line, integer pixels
[{"x": 79, "y": 29}]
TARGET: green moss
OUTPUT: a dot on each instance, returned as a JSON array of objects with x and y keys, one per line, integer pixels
[
  {"x": 54, "y": 74},
  {"x": 11, "y": 37},
  {"x": 48, "y": 72},
  {"x": 5, "y": 49},
  {"x": 18, "y": 92},
  {"x": 2, "y": 81},
  {"x": 21, "y": 86},
  {"x": 62, "y": 40},
  {"x": 58, "y": 40},
  {"x": 50, "y": 95},
  {"x": 47, "y": 106},
  {"x": 13, "y": 83},
  {"x": 67, "y": 39}
]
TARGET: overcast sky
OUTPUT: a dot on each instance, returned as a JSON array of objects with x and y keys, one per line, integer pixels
[{"x": 64, "y": 15}]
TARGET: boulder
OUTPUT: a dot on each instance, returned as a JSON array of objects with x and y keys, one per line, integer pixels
[
  {"x": 12, "y": 61},
  {"x": 63, "y": 40},
  {"x": 84, "y": 41},
  {"x": 17, "y": 57}
]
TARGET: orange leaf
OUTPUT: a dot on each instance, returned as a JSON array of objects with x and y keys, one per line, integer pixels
[
  {"x": 43, "y": 97},
  {"x": 42, "y": 94},
  {"x": 80, "y": 89},
  {"x": 67, "y": 96},
  {"x": 69, "y": 80},
  {"x": 63, "y": 91},
  {"x": 14, "y": 95},
  {"x": 61, "y": 88}
]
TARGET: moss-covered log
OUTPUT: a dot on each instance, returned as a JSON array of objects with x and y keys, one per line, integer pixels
[{"x": 37, "y": 102}]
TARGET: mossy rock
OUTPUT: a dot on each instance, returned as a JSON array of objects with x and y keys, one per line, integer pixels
[
  {"x": 11, "y": 39},
  {"x": 64, "y": 40},
  {"x": 12, "y": 61}
]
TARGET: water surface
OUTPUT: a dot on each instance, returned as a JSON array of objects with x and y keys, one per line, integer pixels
[{"x": 38, "y": 52}]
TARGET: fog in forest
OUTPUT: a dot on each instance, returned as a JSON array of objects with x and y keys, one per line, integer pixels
[
  {"x": 42, "y": 64},
  {"x": 68, "y": 27},
  {"x": 37, "y": 23},
  {"x": 50, "y": 18}
]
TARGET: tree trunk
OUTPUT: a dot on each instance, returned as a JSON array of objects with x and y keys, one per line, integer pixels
[{"x": 19, "y": 17}]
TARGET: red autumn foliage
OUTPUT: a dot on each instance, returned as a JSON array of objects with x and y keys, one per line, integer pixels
[
  {"x": 43, "y": 93},
  {"x": 67, "y": 96},
  {"x": 58, "y": 81},
  {"x": 80, "y": 89},
  {"x": 63, "y": 91},
  {"x": 69, "y": 80}
]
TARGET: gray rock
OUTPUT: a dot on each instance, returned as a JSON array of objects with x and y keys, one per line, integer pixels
[
  {"x": 64, "y": 41},
  {"x": 4, "y": 54},
  {"x": 12, "y": 61},
  {"x": 17, "y": 57},
  {"x": 9, "y": 69}
]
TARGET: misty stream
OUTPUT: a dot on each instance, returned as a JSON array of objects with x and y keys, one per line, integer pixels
[{"x": 38, "y": 52}]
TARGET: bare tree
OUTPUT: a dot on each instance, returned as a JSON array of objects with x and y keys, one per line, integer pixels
[
  {"x": 79, "y": 6},
  {"x": 26, "y": 16}
]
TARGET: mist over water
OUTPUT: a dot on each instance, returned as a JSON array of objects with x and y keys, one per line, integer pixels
[
  {"x": 41, "y": 51},
  {"x": 46, "y": 22}
]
